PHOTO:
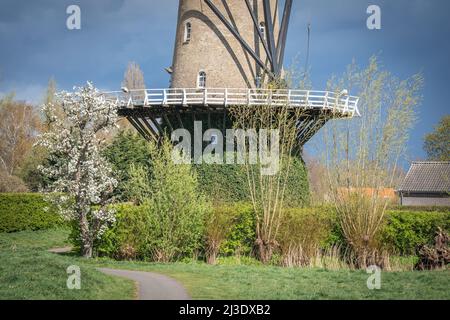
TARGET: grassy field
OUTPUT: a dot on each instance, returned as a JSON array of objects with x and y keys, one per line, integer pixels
[{"x": 28, "y": 271}]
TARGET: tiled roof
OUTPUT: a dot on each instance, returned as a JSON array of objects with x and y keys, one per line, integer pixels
[{"x": 427, "y": 176}]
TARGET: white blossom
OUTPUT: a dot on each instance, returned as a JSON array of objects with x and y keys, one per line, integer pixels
[{"x": 81, "y": 177}]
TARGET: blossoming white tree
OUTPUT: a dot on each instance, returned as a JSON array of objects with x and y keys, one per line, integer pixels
[{"x": 81, "y": 179}]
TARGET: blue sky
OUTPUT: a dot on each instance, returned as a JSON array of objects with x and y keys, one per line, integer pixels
[{"x": 35, "y": 45}]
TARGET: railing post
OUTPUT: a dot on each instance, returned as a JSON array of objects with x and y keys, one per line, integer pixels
[
  {"x": 184, "y": 98},
  {"x": 248, "y": 97},
  {"x": 226, "y": 97},
  {"x": 325, "y": 103},
  {"x": 307, "y": 99},
  {"x": 145, "y": 98},
  {"x": 346, "y": 103},
  {"x": 164, "y": 97},
  {"x": 205, "y": 97}
]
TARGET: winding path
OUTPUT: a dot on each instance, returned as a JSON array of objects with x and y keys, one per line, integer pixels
[{"x": 152, "y": 286}]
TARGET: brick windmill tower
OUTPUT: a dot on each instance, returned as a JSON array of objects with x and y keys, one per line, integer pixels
[
  {"x": 227, "y": 44},
  {"x": 225, "y": 54}
]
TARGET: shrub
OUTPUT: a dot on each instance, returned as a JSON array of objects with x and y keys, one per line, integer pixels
[
  {"x": 241, "y": 236},
  {"x": 169, "y": 223},
  {"x": 238, "y": 261},
  {"x": 419, "y": 208},
  {"x": 303, "y": 232},
  {"x": 404, "y": 231},
  {"x": 26, "y": 211},
  {"x": 126, "y": 238},
  {"x": 175, "y": 207},
  {"x": 217, "y": 226}
]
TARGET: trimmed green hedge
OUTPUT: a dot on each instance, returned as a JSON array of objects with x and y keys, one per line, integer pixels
[
  {"x": 26, "y": 211},
  {"x": 404, "y": 230},
  {"x": 419, "y": 209},
  {"x": 128, "y": 232}
]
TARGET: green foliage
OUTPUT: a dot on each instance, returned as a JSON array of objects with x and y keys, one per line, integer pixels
[
  {"x": 309, "y": 228},
  {"x": 169, "y": 223},
  {"x": 404, "y": 231},
  {"x": 218, "y": 224},
  {"x": 223, "y": 183},
  {"x": 238, "y": 261},
  {"x": 176, "y": 209},
  {"x": 312, "y": 228},
  {"x": 297, "y": 188},
  {"x": 126, "y": 239},
  {"x": 241, "y": 236},
  {"x": 419, "y": 208},
  {"x": 137, "y": 186},
  {"x": 437, "y": 143},
  {"x": 26, "y": 211},
  {"x": 127, "y": 148},
  {"x": 228, "y": 183}
]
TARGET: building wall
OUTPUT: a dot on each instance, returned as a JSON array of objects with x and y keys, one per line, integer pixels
[
  {"x": 425, "y": 201},
  {"x": 213, "y": 49}
]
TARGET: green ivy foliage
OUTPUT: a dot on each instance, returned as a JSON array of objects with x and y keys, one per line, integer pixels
[{"x": 227, "y": 183}]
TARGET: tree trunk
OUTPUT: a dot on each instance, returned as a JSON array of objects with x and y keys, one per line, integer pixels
[
  {"x": 212, "y": 250},
  {"x": 87, "y": 251},
  {"x": 211, "y": 258},
  {"x": 86, "y": 240},
  {"x": 265, "y": 251}
]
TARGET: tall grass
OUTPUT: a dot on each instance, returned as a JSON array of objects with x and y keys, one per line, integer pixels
[{"x": 341, "y": 258}]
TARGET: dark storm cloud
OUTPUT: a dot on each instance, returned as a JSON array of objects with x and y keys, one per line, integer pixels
[{"x": 35, "y": 44}]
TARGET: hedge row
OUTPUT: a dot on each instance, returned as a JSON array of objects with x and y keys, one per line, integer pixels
[
  {"x": 404, "y": 230},
  {"x": 402, "y": 233},
  {"x": 26, "y": 211},
  {"x": 126, "y": 234},
  {"x": 313, "y": 227},
  {"x": 419, "y": 208}
]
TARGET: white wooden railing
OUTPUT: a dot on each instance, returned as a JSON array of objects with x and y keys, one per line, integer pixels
[{"x": 308, "y": 99}]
